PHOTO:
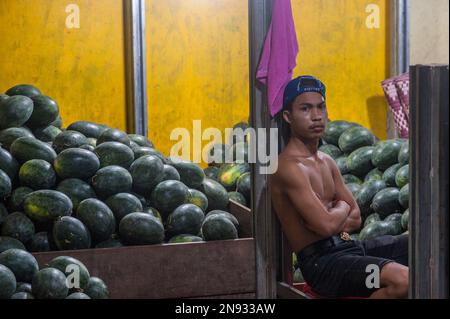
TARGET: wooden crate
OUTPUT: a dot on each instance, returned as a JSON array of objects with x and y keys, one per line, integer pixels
[{"x": 217, "y": 269}]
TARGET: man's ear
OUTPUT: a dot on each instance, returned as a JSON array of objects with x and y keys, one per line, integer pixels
[{"x": 287, "y": 116}]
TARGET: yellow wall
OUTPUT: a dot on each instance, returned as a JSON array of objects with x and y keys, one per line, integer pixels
[
  {"x": 82, "y": 69},
  {"x": 336, "y": 46},
  {"x": 197, "y": 65}
]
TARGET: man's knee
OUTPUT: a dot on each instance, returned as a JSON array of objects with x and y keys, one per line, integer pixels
[{"x": 395, "y": 278}]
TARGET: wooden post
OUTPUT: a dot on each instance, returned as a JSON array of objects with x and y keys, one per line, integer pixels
[
  {"x": 429, "y": 163},
  {"x": 264, "y": 223}
]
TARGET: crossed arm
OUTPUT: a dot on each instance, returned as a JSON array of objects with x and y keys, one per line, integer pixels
[{"x": 343, "y": 215}]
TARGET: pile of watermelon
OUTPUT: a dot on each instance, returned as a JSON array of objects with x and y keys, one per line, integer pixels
[
  {"x": 377, "y": 174},
  {"x": 90, "y": 185},
  {"x": 63, "y": 277},
  {"x": 233, "y": 173}
]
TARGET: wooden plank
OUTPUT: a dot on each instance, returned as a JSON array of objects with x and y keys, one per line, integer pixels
[
  {"x": 429, "y": 204},
  {"x": 171, "y": 270},
  {"x": 264, "y": 225},
  {"x": 245, "y": 218}
]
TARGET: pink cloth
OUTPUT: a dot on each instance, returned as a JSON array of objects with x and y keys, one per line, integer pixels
[
  {"x": 279, "y": 55},
  {"x": 396, "y": 90}
]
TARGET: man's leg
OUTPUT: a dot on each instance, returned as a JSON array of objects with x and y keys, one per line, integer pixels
[
  {"x": 394, "y": 282},
  {"x": 389, "y": 247}
]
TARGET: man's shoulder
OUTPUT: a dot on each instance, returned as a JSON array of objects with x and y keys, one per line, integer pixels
[{"x": 288, "y": 167}]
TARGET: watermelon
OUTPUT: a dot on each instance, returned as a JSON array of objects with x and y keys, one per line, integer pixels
[
  {"x": 354, "y": 138},
  {"x": 353, "y": 188},
  {"x": 402, "y": 176},
  {"x": 141, "y": 229},
  {"x": 76, "y": 163},
  {"x": 19, "y": 226},
  {"x": 349, "y": 178},
  {"x": 22, "y": 295},
  {"x": 23, "y": 89},
  {"x": 386, "y": 202},
  {"x": 49, "y": 283},
  {"x": 211, "y": 172},
  {"x": 70, "y": 233},
  {"x": 240, "y": 152},
  {"x": 224, "y": 214},
  {"x": 386, "y": 154},
  {"x": 389, "y": 175},
  {"x": 218, "y": 227},
  {"x": 366, "y": 194},
  {"x": 342, "y": 165},
  {"x": 244, "y": 186},
  {"x": 359, "y": 162},
  {"x": 96, "y": 289},
  {"x": 3, "y": 97},
  {"x": 190, "y": 173},
  {"x": 58, "y": 122},
  {"x": 376, "y": 229},
  {"x": 8, "y": 164},
  {"x": 9, "y": 243},
  {"x": 147, "y": 172},
  {"x": 141, "y": 198},
  {"x": 331, "y": 150},
  {"x": 15, "y": 111},
  {"x": 198, "y": 198},
  {"x": 91, "y": 141},
  {"x": 47, "y": 133},
  {"x": 27, "y": 148},
  {"x": 3, "y": 214},
  {"x": 88, "y": 147},
  {"x": 217, "y": 154},
  {"x": 123, "y": 204},
  {"x": 114, "y": 153},
  {"x": 217, "y": 194},
  {"x": 168, "y": 195},
  {"x": 403, "y": 196},
  {"x": 184, "y": 238},
  {"x": 77, "y": 190},
  {"x": 10, "y": 135},
  {"x": 374, "y": 174},
  {"x": 37, "y": 174},
  {"x": 154, "y": 212},
  {"x": 62, "y": 263},
  {"x": 23, "y": 287},
  {"x": 298, "y": 276},
  {"x": 78, "y": 295},
  {"x": 405, "y": 220},
  {"x": 45, "y": 111},
  {"x": 111, "y": 180},
  {"x": 110, "y": 243},
  {"x": 371, "y": 218},
  {"x": 47, "y": 205},
  {"x": 140, "y": 151},
  {"x": 230, "y": 173},
  {"x": 238, "y": 133},
  {"x": 98, "y": 219},
  {"x": 334, "y": 130},
  {"x": 185, "y": 219},
  {"x": 396, "y": 223},
  {"x": 170, "y": 173},
  {"x": 88, "y": 129},
  {"x": 39, "y": 242},
  {"x": 15, "y": 202},
  {"x": 7, "y": 282},
  {"x": 114, "y": 135},
  {"x": 68, "y": 139},
  {"x": 403, "y": 155},
  {"x": 140, "y": 140},
  {"x": 238, "y": 198},
  {"x": 5, "y": 185},
  {"x": 21, "y": 263}
]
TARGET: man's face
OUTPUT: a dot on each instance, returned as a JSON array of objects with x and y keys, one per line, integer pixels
[{"x": 308, "y": 115}]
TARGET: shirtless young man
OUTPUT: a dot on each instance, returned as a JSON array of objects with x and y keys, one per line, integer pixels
[{"x": 317, "y": 211}]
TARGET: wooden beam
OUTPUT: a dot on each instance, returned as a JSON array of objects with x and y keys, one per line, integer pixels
[
  {"x": 429, "y": 164},
  {"x": 264, "y": 225}
]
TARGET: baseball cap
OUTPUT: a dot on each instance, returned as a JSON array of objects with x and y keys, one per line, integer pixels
[{"x": 302, "y": 84}]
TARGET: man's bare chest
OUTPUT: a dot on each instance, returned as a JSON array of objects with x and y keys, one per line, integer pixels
[{"x": 321, "y": 180}]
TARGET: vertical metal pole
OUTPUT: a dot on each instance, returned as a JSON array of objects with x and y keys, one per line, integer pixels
[
  {"x": 136, "y": 66},
  {"x": 265, "y": 234},
  {"x": 429, "y": 171},
  {"x": 399, "y": 47}
]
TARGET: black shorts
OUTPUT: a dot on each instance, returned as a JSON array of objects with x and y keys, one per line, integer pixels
[{"x": 342, "y": 270}]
